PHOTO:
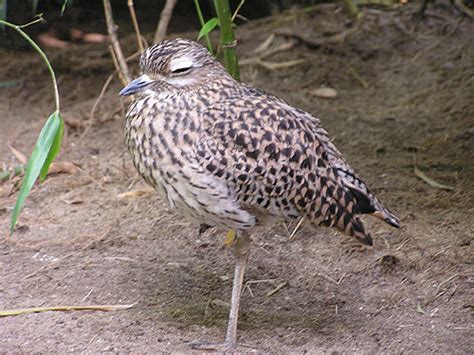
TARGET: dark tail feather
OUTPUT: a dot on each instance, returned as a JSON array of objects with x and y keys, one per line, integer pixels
[
  {"x": 352, "y": 225},
  {"x": 358, "y": 231},
  {"x": 368, "y": 204}
]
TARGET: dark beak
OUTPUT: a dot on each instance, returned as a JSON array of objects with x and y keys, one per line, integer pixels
[{"x": 136, "y": 85}]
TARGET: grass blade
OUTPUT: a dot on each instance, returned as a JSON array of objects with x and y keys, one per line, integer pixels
[
  {"x": 37, "y": 160},
  {"x": 55, "y": 148},
  {"x": 64, "y": 6},
  {"x": 201, "y": 21},
  {"x": 208, "y": 27}
]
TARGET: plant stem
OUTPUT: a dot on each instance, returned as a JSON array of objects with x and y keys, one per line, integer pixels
[
  {"x": 202, "y": 22},
  {"x": 227, "y": 39},
  {"x": 136, "y": 27},
  {"x": 112, "y": 30},
  {"x": 165, "y": 18},
  {"x": 40, "y": 52}
]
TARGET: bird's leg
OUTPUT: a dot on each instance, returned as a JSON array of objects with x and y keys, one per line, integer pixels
[{"x": 241, "y": 253}]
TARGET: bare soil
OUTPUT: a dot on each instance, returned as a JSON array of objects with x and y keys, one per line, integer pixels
[{"x": 405, "y": 98}]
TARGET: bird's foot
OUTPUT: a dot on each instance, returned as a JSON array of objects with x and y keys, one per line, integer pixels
[{"x": 226, "y": 346}]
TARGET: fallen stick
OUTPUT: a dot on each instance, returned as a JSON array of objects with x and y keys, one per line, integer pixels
[
  {"x": 21, "y": 311},
  {"x": 430, "y": 181},
  {"x": 316, "y": 42}
]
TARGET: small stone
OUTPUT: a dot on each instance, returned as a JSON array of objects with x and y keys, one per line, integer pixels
[{"x": 324, "y": 93}]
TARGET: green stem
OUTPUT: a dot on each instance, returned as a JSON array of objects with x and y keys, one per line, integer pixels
[
  {"x": 40, "y": 52},
  {"x": 202, "y": 22},
  {"x": 352, "y": 9},
  {"x": 227, "y": 39}
]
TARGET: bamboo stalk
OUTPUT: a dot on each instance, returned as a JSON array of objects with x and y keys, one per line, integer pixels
[{"x": 227, "y": 40}]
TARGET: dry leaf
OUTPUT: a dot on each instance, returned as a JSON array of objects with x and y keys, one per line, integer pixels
[
  {"x": 62, "y": 167},
  {"x": 324, "y": 93},
  {"x": 135, "y": 193},
  {"x": 22, "y": 158},
  {"x": 73, "y": 123}
]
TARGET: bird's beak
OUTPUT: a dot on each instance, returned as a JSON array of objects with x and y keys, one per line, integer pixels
[{"x": 136, "y": 85}]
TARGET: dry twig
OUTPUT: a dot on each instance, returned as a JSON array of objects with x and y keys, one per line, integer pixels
[
  {"x": 296, "y": 228},
  {"x": 165, "y": 18},
  {"x": 116, "y": 49},
  {"x": 278, "y": 288},
  {"x": 16, "y": 312},
  {"x": 57, "y": 261},
  {"x": 135, "y": 25},
  {"x": 430, "y": 181},
  {"x": 357, "y": 76},
  {"x": 267, "y": 53},
  {"x": 102, "y": 93},
  {"x": 316, "y": 42}
]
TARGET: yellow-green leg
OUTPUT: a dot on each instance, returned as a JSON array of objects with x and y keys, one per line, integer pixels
[{"x": 241, "y": 253}]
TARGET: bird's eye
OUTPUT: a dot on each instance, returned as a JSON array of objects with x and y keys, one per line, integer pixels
[
  {"x": 179, "y": 71},
  {"x": 181, "y": 66}
]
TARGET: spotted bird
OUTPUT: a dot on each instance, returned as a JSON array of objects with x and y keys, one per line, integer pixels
[{"x": 229, "y": 155}]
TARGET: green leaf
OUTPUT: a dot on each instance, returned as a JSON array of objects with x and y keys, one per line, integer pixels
[
  {"x": 64, "y": 6},
  {"x": 208, "y": 27},
  {"x": 55, "y": 148},
  {"x": 35, "y": 163}
]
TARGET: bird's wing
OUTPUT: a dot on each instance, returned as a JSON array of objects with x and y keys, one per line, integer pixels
[
  {"x": 276, "y": 160},
  {"x": 367, "y": 201}
]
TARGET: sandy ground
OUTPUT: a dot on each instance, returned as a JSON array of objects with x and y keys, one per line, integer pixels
[{"x": 405, "y": 98}]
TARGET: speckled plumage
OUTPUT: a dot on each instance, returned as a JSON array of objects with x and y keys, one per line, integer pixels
[{"x": 229, "y": 155}]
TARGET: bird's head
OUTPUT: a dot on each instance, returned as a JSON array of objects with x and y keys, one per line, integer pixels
[{"x": 177, "y": 64}]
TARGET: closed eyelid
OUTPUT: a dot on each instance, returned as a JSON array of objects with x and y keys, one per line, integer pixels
[{"x": 181, "y": 64}]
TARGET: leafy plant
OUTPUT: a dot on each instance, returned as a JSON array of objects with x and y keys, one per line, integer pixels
[
  {"x": 49, "y": 140},
  {"x": 208, "y": 27},
  {"x": 227, "y": 39},
  {"x": 204, "y": 33}
]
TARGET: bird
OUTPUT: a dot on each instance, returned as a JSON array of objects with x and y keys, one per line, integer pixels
[{"x": 225, "y": 154}]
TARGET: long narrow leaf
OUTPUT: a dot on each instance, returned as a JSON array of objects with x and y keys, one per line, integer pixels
[
  {"x": 55, "y": 148},
  {"x": 17, "y": 312},
  {"x": 36, "y": 162},
  {"x": 64, "y": 6},
  {"x": 208, "y": 27}
]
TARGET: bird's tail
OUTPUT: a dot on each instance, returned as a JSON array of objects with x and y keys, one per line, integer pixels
[{"x": 368, "y": 203}]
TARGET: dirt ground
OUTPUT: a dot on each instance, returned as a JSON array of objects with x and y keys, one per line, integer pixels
[{"x": 405, "y": 98}]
